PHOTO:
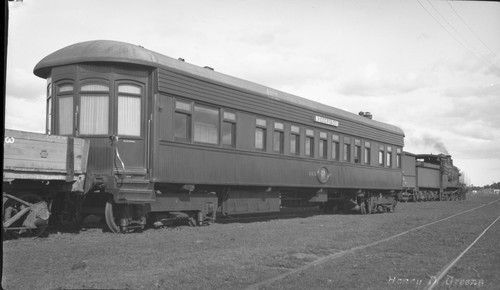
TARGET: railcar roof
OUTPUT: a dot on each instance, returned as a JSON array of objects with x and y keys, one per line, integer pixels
[{"x": 121, "y": 52}]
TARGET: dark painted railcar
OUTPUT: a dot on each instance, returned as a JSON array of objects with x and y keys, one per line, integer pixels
[
  {"x": 168, "y": 139},
  {"x": 431, "y": 177}
]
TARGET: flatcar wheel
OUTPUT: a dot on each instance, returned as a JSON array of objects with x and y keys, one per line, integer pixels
[
  {"x": 111, "y": 214},
  {"x": 11, "y": 207}
]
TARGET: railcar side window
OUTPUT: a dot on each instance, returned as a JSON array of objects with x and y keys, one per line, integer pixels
[
  {"x": 335, "y": 147},
  {"x": 389, "y": 156},
  {"x": 182, "y": 121},
  {"x": 260, "y": 134},
  {"x": 129, "y": 110},
  {"x": 309, "y": 146},
  {"x": 278, "y": 137},
  {"x": 94, "y": 109},
  {"x": 367, "y": 156},
  {"x": 323, "y": 145},
  {"x": 229, "y": 129},
  {"x": 294, "y": 140},
  {"x": 357, "y": 151},
  {"x": 206, "y": 125},
  {"x": 48, "y": 123},
  {"x": 347, "y": 149},
  {"x": 381, "y": 155},
  {"x": 398, "y": 157},
  {"x": 65, "y": 108}
]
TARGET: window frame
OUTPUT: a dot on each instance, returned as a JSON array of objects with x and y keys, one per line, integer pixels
[
  {"x": 309, "y": 139},
  {"x": 194, "y": 122},
  {"x": 261, "y": 127},
  {"x": 357, "y": 151},
  {"x": 323, "y": 145},
  {"x": 139, "y": 96},
  {"x": 187, "y": 113},
  {"x": 279, "y": 137},
  {"x": 231, "y": 122},
  {"x": 398, "y": 157},
  {"x": 367, "y": 153},
  {"x": 381, "y": 156},
  {"x": 335, "y": 147},
  {"x": 49, "y": 107},
  {"x": 388, "y": 160},
  {"x": 347, "y": 149},
  {"x": 58, "y": 95},
  {"x": 295, "y": 136}
]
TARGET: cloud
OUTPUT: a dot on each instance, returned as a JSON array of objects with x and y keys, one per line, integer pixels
[
  {"x": 24, "y": 84},
  {"x": 371, "y": 80},
  {"x": 475, "y": 108},
  {"x": 471, "y": 62},
  {"x": 260, "y": 34},
  {"x": 25, "y": 114}
]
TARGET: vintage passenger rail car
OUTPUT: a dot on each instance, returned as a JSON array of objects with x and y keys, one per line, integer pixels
[{"x": 168, "y": 139}]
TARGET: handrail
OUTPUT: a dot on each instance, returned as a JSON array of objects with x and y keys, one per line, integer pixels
[{"x": 114, "y": 144}]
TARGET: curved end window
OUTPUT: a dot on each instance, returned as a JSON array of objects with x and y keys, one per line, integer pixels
[
  {"x": 64, "y": 118},
  {"x": 129, "y": 110},
  {"x": 48, "y": 124},
  {"x": 94, "y": 115},
  {"x": 129, "y": 116},
  {"x": 94, "y": 109}
]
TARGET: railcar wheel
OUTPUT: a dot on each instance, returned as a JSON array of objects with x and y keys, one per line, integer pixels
[
  {"x": 362, "y": 207},
  {"x": 393, "y": 207},
  {"x": 11, "y": 207},
  {"x": 369, "y": 206},
  {"x": 120, "y": 219},
  {"x": 110, "y": 214}
]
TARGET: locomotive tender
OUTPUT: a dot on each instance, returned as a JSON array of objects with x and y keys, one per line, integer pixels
[
  {"x": 430, "y": 177},
  {"x": 168, "y": 139}
]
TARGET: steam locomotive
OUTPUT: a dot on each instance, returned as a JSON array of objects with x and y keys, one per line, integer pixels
[
  {"x": 431, "y": 177},
  {"x": 141, "y": 139}
]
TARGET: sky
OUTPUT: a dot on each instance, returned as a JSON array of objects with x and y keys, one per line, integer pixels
[{"x": 430, "y": 67}]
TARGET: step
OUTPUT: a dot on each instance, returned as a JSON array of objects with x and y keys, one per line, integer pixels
[{"x": 134, "y": 195}]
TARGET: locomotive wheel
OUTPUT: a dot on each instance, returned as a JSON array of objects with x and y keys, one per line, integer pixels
[
  {"x": 111, "y": 213},
  {"x": 11, "y": 207}
]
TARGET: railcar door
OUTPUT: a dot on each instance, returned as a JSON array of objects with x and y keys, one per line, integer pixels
[{"x": 131, "y": 127}]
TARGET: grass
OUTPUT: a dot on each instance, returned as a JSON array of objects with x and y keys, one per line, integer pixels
[{"x": 234, "y": 255}]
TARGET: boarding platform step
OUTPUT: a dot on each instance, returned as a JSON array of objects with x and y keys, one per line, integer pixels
[{"x": 134, "y": 191}]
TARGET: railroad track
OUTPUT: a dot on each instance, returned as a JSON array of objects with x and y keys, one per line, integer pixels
[
  {"x": 283, "y": 214},
  {"x": 436, "y": 278}
]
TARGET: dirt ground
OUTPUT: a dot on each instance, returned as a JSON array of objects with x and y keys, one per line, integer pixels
[{"x": 241, "y": 254}]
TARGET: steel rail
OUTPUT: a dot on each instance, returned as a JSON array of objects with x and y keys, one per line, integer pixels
[
  {"x": 445, "y": 270},
  {"x": 355, "y": 249}
]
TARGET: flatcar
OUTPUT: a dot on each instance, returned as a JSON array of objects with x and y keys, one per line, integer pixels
[
  {"x": 169, "y": 139},
  {"x": 428, "y": 177}
]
